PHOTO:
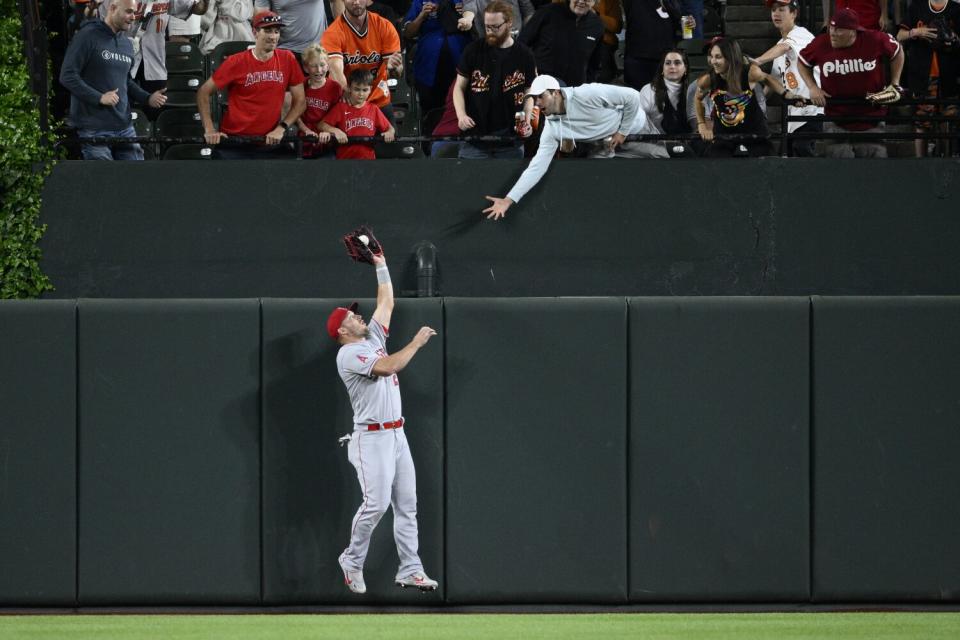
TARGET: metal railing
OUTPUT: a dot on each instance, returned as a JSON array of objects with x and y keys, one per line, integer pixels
[
  {"x": 949, "y": 134},
  {"x": 785, "y": 138},
  {"x": 295, "y": 143}
]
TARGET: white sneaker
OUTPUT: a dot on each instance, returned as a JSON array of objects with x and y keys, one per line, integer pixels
[
  {"x": 353, "y": 579},
  {"x": 420, "y": 580}
]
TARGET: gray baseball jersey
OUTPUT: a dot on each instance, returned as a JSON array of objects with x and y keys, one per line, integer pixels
[
  {"x": 374, "y": 399},
  {"x": 304, "y": 21},
  {"x": 153, "y": 36}
]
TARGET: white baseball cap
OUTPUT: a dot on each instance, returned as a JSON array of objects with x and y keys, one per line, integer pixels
[{"x": 541, "y": 84}]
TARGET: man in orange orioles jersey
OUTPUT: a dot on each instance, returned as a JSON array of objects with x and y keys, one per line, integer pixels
[{"x": 359, "y": 39}]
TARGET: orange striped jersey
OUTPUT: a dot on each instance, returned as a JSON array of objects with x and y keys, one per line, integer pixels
[{"x": 368, "y": 48}]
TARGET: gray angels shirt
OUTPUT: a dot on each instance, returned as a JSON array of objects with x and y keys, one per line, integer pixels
[{"x": 374, "y": 399}]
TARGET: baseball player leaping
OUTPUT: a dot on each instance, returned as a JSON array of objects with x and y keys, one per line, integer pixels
[{"x": 378, "y": 447}]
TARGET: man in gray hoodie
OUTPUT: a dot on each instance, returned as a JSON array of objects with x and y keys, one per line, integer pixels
[
  {"x": 588, "y": 113},
  {"x": 96, "y": 71}
]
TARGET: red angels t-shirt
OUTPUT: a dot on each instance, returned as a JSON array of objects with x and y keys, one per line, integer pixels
[
  {"x": 255, "y": 90},
  {"x": 366, "y": 120},
  {"x": 319, "y": 103},
  {"x": 852, "y": 72}
]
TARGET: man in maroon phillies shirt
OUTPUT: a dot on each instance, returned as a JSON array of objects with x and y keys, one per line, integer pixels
[{"x": 851, "y": 66}]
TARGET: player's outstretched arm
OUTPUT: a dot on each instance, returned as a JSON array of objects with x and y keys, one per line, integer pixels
[
  {"x": 396, "y": 362},
  {"x": 384, "y": 308}
]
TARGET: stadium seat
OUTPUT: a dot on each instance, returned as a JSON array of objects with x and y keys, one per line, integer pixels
[
  {"x": 449, "y": 151},
  {"x": 177, "y": 123},
  {"x": 698, "y": 65},
  {"x": 141, "y": 124},
  {"x": 696, "y": 56},
  {"x": 188, "y": 152},
  {"x": 693, "y": 46},
  {"x": 223, "y": 50},
  {"x": 397, "y": 150},
  {"x": 409, "y": 128},
  {"x": 143, "y": 128},
  {"x": 401, "y": 93},
  {"x": 428, "y": 122},
  {"x": 408, "y": 63},
  {"x": 182, "y": 90},
  {"x": 185, "y": 58},
  {"x": 713, "y": 18},
  {"x": 402, "y": 99},
  {"x": 401, "y": 113}
]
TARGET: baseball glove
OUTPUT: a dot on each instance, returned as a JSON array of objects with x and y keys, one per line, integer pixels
[
  {"x": 359, "y": 250},
  {"x": 888, "y": 95}
]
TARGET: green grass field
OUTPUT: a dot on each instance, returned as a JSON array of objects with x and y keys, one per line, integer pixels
[{"x": 648, "y": 626}]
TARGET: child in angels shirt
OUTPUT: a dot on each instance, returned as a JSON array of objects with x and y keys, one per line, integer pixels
[
  {"x": 355, "y": 116},
  {"x": 322, "y": 93}
]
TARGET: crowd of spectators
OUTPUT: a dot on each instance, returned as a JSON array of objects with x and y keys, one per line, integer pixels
[{"x": 308, "y": 63}]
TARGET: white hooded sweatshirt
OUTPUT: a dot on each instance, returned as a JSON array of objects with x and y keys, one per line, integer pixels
[{"x": 593, "y": 112}]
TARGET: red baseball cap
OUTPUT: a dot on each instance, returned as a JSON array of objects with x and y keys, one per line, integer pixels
[
  {"x": 786, "y": 3},
  {"x": 267, "y": 19},
  {"x": 336, "y": 319},
  {"x": 846, "y": 19}
]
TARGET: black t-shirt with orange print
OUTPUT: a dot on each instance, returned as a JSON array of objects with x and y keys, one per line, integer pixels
[{"x": 496, "y": 82}]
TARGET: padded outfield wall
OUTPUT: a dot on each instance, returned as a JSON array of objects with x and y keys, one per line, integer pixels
[
  {"x": 768, "y": 445},
  {"x": 766, "y": 226},
  {"x": 602, "y": 450}
]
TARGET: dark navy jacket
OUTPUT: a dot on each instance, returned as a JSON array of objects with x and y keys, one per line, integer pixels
[{"x": 99, "y": 60}]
